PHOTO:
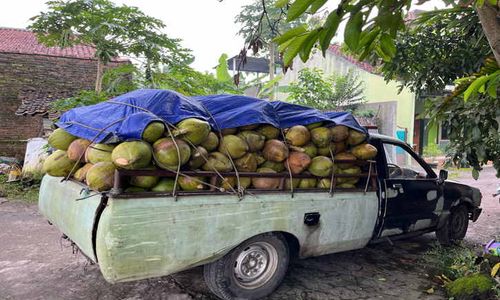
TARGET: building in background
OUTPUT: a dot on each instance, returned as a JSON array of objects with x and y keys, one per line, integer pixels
[
  {"x": 395, "y": 110},
  {"x": 31, "y": 77}
]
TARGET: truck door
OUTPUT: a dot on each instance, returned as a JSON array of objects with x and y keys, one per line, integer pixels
[{"x": 412, "y": 196}]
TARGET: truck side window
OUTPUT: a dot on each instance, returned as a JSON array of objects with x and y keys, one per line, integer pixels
[{"x": 400, "y": 163}]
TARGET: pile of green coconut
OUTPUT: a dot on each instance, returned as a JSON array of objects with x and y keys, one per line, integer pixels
[{"x": 192, "y": 145}]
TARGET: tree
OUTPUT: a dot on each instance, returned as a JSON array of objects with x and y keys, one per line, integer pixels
[
  {"x": 113, "y": 30},
  {"x": 372, "y": 30},
  {"x": 261, "y": 21},
  {"x": 326, "y": 93}
]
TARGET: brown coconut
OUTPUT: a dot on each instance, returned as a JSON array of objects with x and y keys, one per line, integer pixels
[
  {"x": 265, "y": 183},
  {"x": 298, "y": 162},
  {"x": 77, "y": 148},
  {"x": 275, "y": 150}
]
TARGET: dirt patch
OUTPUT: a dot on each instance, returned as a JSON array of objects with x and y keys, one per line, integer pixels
[{"x": 35, "y": 263}]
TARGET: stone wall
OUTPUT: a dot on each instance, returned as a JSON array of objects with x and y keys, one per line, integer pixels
[{"x": 21, "y": 72}]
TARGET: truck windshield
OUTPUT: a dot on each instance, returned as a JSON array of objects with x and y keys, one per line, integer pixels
[{"x": 401, "y": 164}]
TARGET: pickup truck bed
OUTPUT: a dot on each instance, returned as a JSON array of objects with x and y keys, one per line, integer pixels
[{"x": 136, "y": 238}]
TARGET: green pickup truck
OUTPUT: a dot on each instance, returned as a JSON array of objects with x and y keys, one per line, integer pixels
[{"x": 245, "y": 243}]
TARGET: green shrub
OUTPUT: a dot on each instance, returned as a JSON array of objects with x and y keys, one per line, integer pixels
[{"x": 477, "y": 286}]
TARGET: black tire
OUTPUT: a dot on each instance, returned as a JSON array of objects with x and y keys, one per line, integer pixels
[
  {"x": 232, "y": 276},
  {"x": 455, "y": 228}
]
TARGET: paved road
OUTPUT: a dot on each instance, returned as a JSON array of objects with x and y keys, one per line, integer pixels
[{"x": 36, "y": 264}]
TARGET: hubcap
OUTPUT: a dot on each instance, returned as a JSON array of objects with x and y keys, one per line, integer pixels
[
  {"x": 255, "y": 265},
  {"x": 458, "y": 223}
]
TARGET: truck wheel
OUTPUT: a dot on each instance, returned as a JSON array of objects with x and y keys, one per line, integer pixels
[
  {"x": 252, "y": 270},
  {"x": 455, "y": 228}
]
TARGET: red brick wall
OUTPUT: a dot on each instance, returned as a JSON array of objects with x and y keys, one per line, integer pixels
[{"x": 19, "y": 72}]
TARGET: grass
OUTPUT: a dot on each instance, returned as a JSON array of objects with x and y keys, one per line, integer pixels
[
  {"x": 19, "y": 190},
  {"x": 454, "y": 173}
]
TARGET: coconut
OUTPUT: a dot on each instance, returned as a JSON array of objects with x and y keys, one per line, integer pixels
[
  {"x": 134, "y": 189},
  {"x": 275, "y": 150},
  {"x": 265, "y": 183},
  {"x": 132, "y": 155},
  {"x": 310, "y": 149},
  {"x": 58, "y": 164},
  {"x": 324, "y": 183},
  {"x": 339, "y": 147},
  {"x": 146, "y": 182},
  {"x": 101, "y": 176},
  {"x": 254, "y": 140},
  {"x": 276, "y": 166},
  {"x": 188, "y": 183},
  {"x": 198, "y": 158},
  {"x": 339, "y": 133},
  {"x": 211, "y": 142},
  {"x": 98, "y": 153},
  {"x": 269, "y": 131},
  {"x": 355, "y": 170},
  {"x": 153, "y": 131},
  {"x": 249, "y": 127},
  {"x": 346, "y": 186},
  {"x": 60, "y": 139},
  {"x": 298, "y": 135},
  {"x": 298, "y": 162},
  {"x": 364, "y": 151},
  {"x": 164, "y": 185},
  {"x": 81, "y": 173},
  {"x": 325, "y": 151},
  {"x": 233, "y": 146},
  {"x": 227, "y": 131},
  {"x": 166, "y": 155},
  {"x": 321, "y": 136},
  {"x": 344, "y": 156},
  {"x": 230, "y": 183},
  {"x": 219, "y": 162},
  {"x": 193, "y": 130},
  {"x": 307, "y": 183},
  {"x": 77, "y": 148},
  {"x": 247, "y": 163},
  {"x": 321, "y": 166},
  {"x": 355, "y": 137},
  {"x": 314, "y": 125},
  {"x": 295, "y": 183},
  {"x": 260, "y": 158}
]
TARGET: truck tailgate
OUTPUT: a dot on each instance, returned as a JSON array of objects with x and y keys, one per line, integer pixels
[{"x": 57, "y": 202}]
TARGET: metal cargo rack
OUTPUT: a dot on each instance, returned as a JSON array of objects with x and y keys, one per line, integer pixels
[{"x": 121, "y": 178}]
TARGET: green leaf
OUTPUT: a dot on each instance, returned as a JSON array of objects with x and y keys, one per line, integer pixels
[
  {"x": 475, "y": 174},
  {"x": 329, "y": 30},
  {"x": 353, "y": 30},
  {"x": 311, "y": 39},
  {"x": 293, "y": 49},
  {"x": 290, "y": 34},
  {"x": 285, "y": 45},
  {"x": 316, "y": 5},
  {"x": 387, "y": 45},
  {"x": 475, "y": 85},
  {"x": 492, "y": 89},
  {"x": 367, "y": 37},
  {"x": 382, "y": 54},
  {"x": 281, "y": 3},
  {"x": 297, "y": 8}
]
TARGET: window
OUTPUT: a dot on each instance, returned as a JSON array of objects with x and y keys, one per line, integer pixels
[
  {"x": 401, "y": 164},
  {"x": 443, "y": 132}
]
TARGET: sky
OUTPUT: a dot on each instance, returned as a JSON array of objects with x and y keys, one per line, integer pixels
[{"x": 205, "y": 26}]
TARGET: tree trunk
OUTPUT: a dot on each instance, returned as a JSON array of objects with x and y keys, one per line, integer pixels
[
  {"x": 272, "y": 64},
  {"x": 98, "y": 78},
  {"x": 491, "y": 27}
]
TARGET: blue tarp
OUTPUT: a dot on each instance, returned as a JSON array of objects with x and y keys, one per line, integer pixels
[
  {"x": 230, "y": 111},
  {"x": 126, "y": 116}
]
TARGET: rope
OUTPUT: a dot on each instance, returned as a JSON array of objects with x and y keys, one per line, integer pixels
[
  {"x": 288, "y": 163},
  {"x": 369, "y": 176},
  {"x": 332, "y": 180}
]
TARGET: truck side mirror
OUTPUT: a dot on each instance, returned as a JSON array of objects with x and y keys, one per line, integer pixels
[{"x": 443, "y": 175}]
